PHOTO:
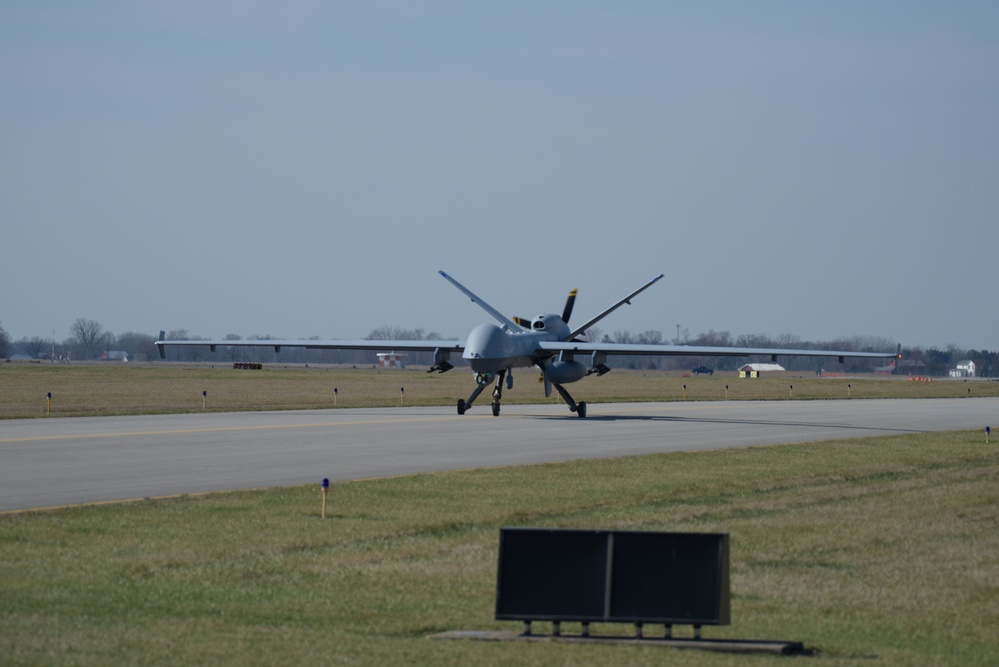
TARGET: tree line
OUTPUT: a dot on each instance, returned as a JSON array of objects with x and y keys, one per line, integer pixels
[{"x": 90, "y": 341}]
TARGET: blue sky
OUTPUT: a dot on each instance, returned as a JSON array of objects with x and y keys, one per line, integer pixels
[{"x": 305, "y": 168}]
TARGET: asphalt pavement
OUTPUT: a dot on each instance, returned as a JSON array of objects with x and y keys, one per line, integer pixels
[{"x": 54, "y": 462}]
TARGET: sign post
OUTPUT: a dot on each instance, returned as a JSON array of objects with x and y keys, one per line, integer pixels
[
  {"x": 48, "y": 409},
  {"x": 334, "y": 397},
  {"x": 987, "y": 431},
  {"x": 402, "y": 393},
  {"x": 204, "y": 399}
]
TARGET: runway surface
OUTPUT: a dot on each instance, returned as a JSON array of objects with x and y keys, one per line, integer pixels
[{"x": 56, "y": 462}]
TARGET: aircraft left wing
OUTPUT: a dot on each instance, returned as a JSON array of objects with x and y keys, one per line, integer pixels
[{"x": 706, "y": 351}]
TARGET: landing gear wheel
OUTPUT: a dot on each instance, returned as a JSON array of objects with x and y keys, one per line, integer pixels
[
  {"x": 581, "y": 409},
  {"x": 496, "y": 407},
  {"x": 461, "y": 406}
]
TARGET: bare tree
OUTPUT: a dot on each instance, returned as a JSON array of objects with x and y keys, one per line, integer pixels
[
  {"x": 137, "y": 346},
  {"x": 36, "y": 346},
  {"x": 88, "y": 337},
  {"x": 754, "y": 340},
  {"x": 4, "y": 343}
]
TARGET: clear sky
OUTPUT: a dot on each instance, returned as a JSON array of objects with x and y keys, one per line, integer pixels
[{"x": 305, "y": 168}]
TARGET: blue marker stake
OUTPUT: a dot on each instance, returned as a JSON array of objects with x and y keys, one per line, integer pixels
[{"x": 326, "y": 487}]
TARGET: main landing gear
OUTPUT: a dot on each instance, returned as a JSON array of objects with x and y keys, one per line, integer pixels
[
  {"x": 578, "y": 408},
  {"x": 483, "y": 382}
]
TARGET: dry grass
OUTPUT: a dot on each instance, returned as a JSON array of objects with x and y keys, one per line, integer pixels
[
  {"x": 876, "y": 551},
  {"x": 106, "y": 389}
]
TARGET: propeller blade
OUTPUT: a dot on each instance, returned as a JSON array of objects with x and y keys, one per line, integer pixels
[
  {"x": 522, "y": 321},
  {"x": 567, "y": 312}
]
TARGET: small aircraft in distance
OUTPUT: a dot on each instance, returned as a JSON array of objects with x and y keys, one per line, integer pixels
[{"x": 492, "y": 351}]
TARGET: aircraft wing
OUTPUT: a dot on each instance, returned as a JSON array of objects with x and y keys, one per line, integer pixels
[
  {"x": 374, "y": 345},
  {"x": 704, "y": 351}
]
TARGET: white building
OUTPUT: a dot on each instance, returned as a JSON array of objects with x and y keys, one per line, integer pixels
[
  {"x": 965, "y": 369},
  {"x": 761, "y": 368}
]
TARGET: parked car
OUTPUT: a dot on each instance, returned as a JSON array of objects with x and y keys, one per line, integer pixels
[{"x": 702, "y": 369}]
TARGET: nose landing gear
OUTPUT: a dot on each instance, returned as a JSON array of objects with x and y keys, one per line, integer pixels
[{"x": 483, "y": 380}]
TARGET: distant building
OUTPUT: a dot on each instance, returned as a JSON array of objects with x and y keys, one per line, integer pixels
[
  {"x": 391, "y": 360},
  {"x": 761, "y": 368},
  {"x": 965, "y": 369},
  {"x": 114, "y": 355}
]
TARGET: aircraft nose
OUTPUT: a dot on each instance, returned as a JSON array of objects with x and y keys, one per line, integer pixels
[{"x": 488, "y": 341}]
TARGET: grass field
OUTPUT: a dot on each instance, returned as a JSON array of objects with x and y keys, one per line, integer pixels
[
  {"x": 112, "y": 389},
  {"x": 875, "y": 552}
]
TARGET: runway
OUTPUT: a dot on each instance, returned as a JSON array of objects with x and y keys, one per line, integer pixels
[{"x": 56, "y": 462}]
